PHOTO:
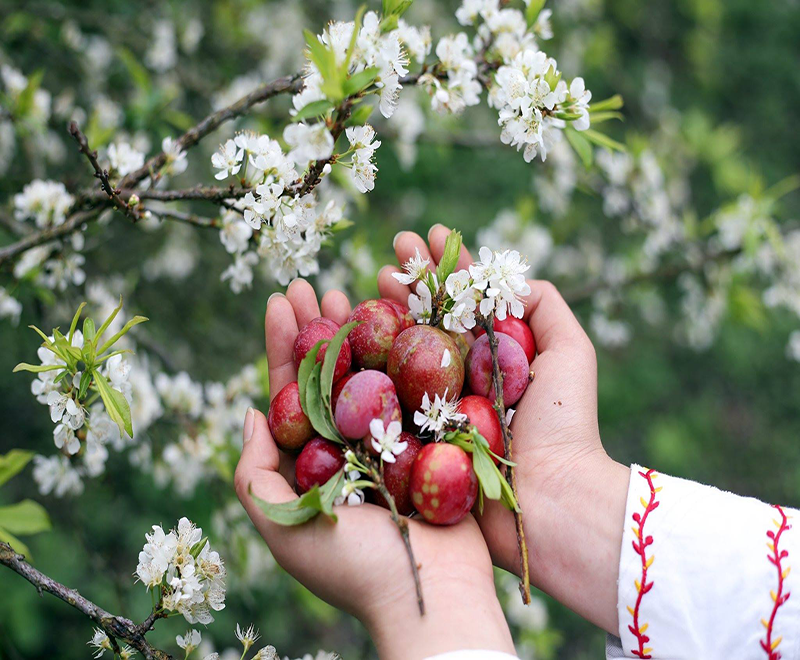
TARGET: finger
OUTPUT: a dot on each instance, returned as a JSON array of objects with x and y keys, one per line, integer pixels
[
  {"x": 550, "y": 318},
  {"x": 389, "y": 287},
  {"x": 335, "y": 306},
  {"x": 437, "y": 237},
  {"x": 406, "y": 244},
  {"x": 280, "y": 331},
  {"x": 304, "y": 300}
]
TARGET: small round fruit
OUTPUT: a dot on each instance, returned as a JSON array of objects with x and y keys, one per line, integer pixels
[
  {"x": 290, "y": 427},
  {"x": 372, "y": 339},
  {"x": 318, "y": 462},
  {"x": 425, "y": 360},
  {"x": 314, "y": 331},
  {"x": 406, "y": 320},
  {"x": 397, "y": 476},
  {"x": 513, "y": 363},
  {"x": 443, "y": 484},
  {"x": 481, "y": 414},
  {"x": 518, "y": 330},
  {"x": 337, "y": 388},
  {"x": 366, "y": 396}
]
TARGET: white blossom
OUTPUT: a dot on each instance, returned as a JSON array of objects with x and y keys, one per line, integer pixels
[
  {"x": 100, "y": 642},
  {"x": 351, "y": 493},
  {"x": 10, "y": 307},
  {"x": 435, "y": 415},
  {"x": 56, "y": 474},
  {"x": 176, "y": 162},
  {"x": 420, "y": 304},
  {"x": 190, "y": 641},
  {"x": 416, "y": 268},
  {"x": 228, "y": 160},
  {"x": 47, "y": 202},
  {"x": 500, "y": 275},
  {"x": 308, "y": 142},
  {"x": 63, "y": 408},
  {"x": 240, "y": 272},
  {"x": 387, "y": 441},
  {"x": 235, "y": 233},
  {"x": 124, "y": 159},
  {"x": 247, "y": 636}
]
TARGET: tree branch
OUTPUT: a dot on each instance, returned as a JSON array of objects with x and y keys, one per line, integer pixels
[{"x": 116, "y": 627}]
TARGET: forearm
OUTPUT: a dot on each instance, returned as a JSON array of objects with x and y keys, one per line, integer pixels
[{"x": 460, "y": 615}]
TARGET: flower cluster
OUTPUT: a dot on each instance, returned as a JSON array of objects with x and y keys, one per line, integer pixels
[
  {"x": 460, "y": 88},
  {"x": 188, "y": 576},
  {"x": 46, "y": 202},
  {"x": 435, "y": 416}
]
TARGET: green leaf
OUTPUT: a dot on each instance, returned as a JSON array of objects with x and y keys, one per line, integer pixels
[
  {"x": 318, "y": 410},
  {"x": 304, "y": 371},
  {"x": 13, "y": 463},
  {"x": 116, "y": 405},
  {"x": 581, "y": 145},
  {"x": 25, "y": 99},
  {"x": 88, "y": 333},
  {"x": 37, "y": 368},
  {"x": 307, "y": 506},
  {"x": 136, "y": 320},
  {"x": 360, "y": 115},
  {"x": 26, "y": 517},
  {"x": 603, "y": 140},
  {"x": 353, "y": 39},
  {"x": 488, "y": 475},
  {"x": 613, "y": 103},
  {"x": 314, "y": 109},
  {"x": 75, "y": 320},
  {"x": 600, "y": 117},
  {"x": 360, "y": 80},
  {"x": 449, "y": 261},
  {"x": 14, "y": 542},
  {"x": 329, "y": 362},
  {"x": 101, "y": 331},
  {"x": 86, "y": 380},
  {"x": 341, "y": 225},
  {"x": 141, "y": 77},
  {"x": 533, "y": 10}
]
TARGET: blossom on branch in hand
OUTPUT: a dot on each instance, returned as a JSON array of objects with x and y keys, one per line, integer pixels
[
  {"x": 351, "y": 493},
  {"x": 500, "y": 275},
  {"x": 416, "y": 268},
  {"x": 420, "y": 304},
  {"x": 386, "y": 441},
  {"x": 434, "y": 416},
  {"x": 228, "y": 160}
]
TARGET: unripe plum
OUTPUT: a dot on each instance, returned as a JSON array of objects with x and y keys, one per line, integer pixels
[
  {"x": 415, "y": 366},
  {"x": 366, "y": 396},
  {"x": 513, "y": 363},
  {"x": 406, "y": 320},
  {"x": 397, "y": 476},
  {"x": 372, "y": 339},
  {"x": 518, "y": 330},
  {"x": 481, "y": 414},
  {"x": 314, "y": 331},
  {"x": 318, "y": 462},
  {"x": 288, "y": 424},
  {"x": 443, "y": 484}
]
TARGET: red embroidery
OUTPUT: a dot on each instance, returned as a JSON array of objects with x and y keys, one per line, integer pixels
[
  {"x": 776, "y": 558},
  {"x": 640, "y": 547}
]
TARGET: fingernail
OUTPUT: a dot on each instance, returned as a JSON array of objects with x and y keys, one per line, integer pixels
[
  {"x": 396, "y": 236},
  {"x": 430, "y": 231},
  {"x": 249, "y": 424},
  {"x": 277, "y": 294}
]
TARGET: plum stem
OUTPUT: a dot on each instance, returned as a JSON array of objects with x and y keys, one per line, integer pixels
[{"x": 487, "y": 323}]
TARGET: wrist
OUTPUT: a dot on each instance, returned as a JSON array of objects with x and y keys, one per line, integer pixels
[{"x": 462, "y": 612}]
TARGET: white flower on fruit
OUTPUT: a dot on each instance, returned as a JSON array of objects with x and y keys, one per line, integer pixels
[
  {"x": 500, "y": 276},
  {"x": 228, "y": 160},
  {"x": 435, "y": 415},
  {"x": 247, "y": 637},
  {"x": 101, "y": 643},
  {"x": 190, "y": 641},
  {"x": 350, "y": 491},
  {"x": 386, "y": 441},
  {"x": 420, "y": 304},
  {"x": 415, "y": 269},
  {"x": 308, "y": 142},
  {"x": 63, "y": 408},
  {"x": 446, "y": 359}
]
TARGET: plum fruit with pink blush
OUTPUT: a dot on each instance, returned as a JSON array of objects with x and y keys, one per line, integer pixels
[
  {"x": 337, "y": 388},
  {"x": 425, "y": 360},
  {"x": 397, "y": 476},
  {"x": 443, "y": 484},
  {"x": 406, "y": 320},
  {"x": 318, "y": 462},
  {"x": 367, "y": 395},
  {"x": 518, "y": 330},
  {"x": 372, "y": 339},
  {"x": 316, "y": 330},
  {"x": 513, "y": 364},
  {"x": 290, "y": 427},
  {"x": 481, "y": 414}
]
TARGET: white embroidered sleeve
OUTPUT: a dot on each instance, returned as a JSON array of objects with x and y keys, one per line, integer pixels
[{"x": 706, "y": 574}]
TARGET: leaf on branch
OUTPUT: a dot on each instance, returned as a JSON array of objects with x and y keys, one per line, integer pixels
[
  {"x": 452, "y": 251},
  {"x": 360, "y": 115},
  {"x": 26, "y": 517},
  {"x": 307, "y": 506},
  {"x": 37, "y": 368},
  {"x": 613, "y": 103},
  {"x": 136, "y": 320},
  {"x": 115, "y": 402},
  {"x": 304, "y": 371},
  {"x": 314, "y": 109},
  {"x": 534, "y": 9},
  {"x": 581, "y": 145},
  {"x": 360, "y": 80},
  {"x": 318, "y": 410},
  {"x": 75, "y": 320},
  {"x": 13, "y": 463},
  {"x": 603, "y": 140}
]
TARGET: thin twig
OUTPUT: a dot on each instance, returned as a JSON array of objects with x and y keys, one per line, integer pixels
[
  {"x": 101, "y": 174},
  {"x": 116, "y": 627},
  {"x": 186, "y": 218},
  {"x": 487, "y": 323}
]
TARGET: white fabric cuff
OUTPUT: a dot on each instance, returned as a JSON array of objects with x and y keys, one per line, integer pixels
[
  {"x": 473, "y": 655},
  {"x": 706, "y": 574}
]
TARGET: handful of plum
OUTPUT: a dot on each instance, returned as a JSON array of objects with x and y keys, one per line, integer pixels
[{"x": 394, "y": 399}]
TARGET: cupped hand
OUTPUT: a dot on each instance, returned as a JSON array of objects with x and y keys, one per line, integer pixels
[
  {"x": 571, "y": 494},
  {"x": 359, "y": 564}
]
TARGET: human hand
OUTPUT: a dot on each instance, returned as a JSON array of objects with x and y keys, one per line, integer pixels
[
  {"x": 571, "y": 493},
  {"x": 359, "y": 564}
]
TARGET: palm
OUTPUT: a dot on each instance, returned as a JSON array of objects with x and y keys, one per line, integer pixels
[{"x": 357, "y": 554}]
